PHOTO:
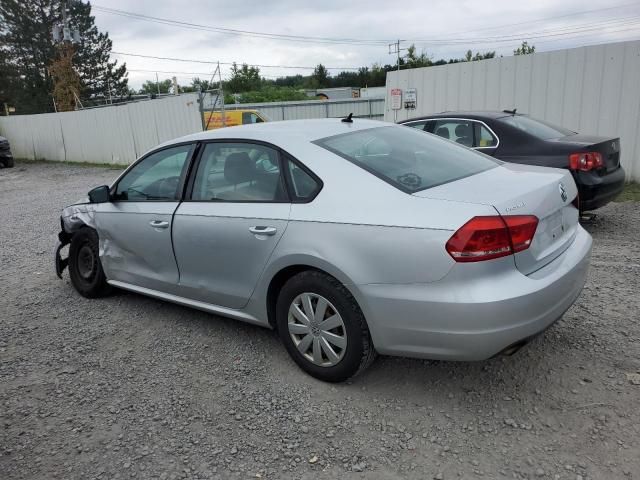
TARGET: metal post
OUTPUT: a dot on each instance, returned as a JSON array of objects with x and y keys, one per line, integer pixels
[
  {"x": 201, "y": 107},
  {"x": 158, "y": 83},
  {"x": 221, "y": 93}
]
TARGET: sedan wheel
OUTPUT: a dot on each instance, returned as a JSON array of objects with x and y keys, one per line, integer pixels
[
  {"x": 322, "y": 327},
  {"x": 317, "y": 329},
  {"x": 85, "y": 268}
]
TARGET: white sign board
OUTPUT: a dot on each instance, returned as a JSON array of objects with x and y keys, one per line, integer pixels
[
  {"x": 396, "y": 98},
  {"x": 410, "y": 98}
]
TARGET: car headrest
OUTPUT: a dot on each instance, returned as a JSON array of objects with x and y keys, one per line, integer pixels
[
  {"x": 443, "y": 132},
  {"x": 239, "y": 168},
  {"x": 462, "y": 130}
]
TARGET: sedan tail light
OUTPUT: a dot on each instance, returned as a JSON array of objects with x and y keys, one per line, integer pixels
[
  {"x": 585, "y": 161},
  {"x": 484, "y": 238}
]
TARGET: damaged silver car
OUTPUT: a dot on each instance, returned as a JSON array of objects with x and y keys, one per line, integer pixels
[{"x": 349, "y": 237}]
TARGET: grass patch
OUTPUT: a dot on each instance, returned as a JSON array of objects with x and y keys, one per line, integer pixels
[
  {"x": 631, "y": 193},
  {"x": 110, "y": 166}
]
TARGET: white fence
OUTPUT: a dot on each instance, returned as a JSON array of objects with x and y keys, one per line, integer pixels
[
  {"x": 593, "y": 89},
  {"x": 117, "y": 134},
  {"x": 360, "y": 107},
  {"x": 121, "y": 133}
]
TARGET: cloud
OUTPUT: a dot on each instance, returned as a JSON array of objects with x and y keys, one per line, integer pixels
[{"x": 435, "y": 24}]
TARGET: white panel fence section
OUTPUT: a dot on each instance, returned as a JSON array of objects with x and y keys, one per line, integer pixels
[
  {"x": 121, "y": 133},
  {"x": 296, "y": 110},
  {"x": 593, "y": 89},
  {"x": 117, "y": 134}
]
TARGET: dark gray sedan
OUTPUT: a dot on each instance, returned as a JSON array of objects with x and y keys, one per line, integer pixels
[{"x": 593, "y": 161}]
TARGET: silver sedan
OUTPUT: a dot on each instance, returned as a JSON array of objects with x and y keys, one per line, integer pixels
[{"x": 349, "y": 237}]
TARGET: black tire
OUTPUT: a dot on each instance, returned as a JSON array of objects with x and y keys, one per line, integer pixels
[
  {"x": 7, "y": 162},
  {"x": 85, "y": 268},
  {"x": 359, "y": 352}
]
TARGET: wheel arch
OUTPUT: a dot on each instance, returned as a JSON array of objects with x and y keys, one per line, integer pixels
[{"x": 281, "y": 274}]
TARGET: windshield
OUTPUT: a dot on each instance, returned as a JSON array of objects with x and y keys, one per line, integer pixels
[
  {"x": 536, "y": 128},
  {"x": 408, "y": 159}
]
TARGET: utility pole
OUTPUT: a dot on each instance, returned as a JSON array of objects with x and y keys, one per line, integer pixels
[
  {"x": 65, "y": 79},
  {"x": 394, "y": 48},
  {"x": 158, "y": 83}
]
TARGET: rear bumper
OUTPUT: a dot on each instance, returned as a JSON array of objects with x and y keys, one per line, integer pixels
[
  {"x": 596, "y": 191},
  {"x": 472, "y": 314}
]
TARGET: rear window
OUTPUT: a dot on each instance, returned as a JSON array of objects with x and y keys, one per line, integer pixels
[
  {"x": 408, "y": 159},
  {"x": 536, "y": 128}
]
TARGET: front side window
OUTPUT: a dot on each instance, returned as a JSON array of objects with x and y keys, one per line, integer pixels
[
  {"x": 239, "y": 172},
  {"x": 156, "y": 177},
  {"x": 407, "y": 158}
]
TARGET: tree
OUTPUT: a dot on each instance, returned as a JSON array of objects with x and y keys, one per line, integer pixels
[
  {"x": 243, "y": 79},
  {"x": 66, "y": 81},
  {"x": 413, "y": 60},
  {"x": 151, "y": 87},
  {"x": 28, "y": 52},
  {"x": 320, "y": 77},
  {"x": 524, "y": 49},
  {"x": 99, "y": 75}
]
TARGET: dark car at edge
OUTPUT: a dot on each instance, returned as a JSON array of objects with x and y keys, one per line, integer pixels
[
  {"x": 512, "y": 137},
  {"x": 6, "y": 159}
]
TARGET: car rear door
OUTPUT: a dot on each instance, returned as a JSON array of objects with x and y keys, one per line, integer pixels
[
  {"x": 225, "y": 231},
  {"x": 135, "y": 226}
]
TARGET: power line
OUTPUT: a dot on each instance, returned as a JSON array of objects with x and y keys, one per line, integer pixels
[
  {"x": 351, "y": 41},
  {"x": 565, "y": 31},
  {"x": 227, "y": 63},
  {"x": 232, "y": 31}
]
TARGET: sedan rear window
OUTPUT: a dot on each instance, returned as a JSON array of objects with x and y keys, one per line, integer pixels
[
  {"x": 536, "y": 128},
  {"x": 408, "y": 159}
]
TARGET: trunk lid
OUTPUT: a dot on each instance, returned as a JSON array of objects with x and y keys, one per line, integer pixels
[{"x": 514, "y": 189}]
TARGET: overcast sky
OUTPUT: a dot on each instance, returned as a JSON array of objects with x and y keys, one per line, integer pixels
[{"x": 474, "y": 24}]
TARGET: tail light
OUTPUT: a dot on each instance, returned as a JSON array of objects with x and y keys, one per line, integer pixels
[
  {"x": 585, "y": 161},
  {"x": 484, "y": 238}
]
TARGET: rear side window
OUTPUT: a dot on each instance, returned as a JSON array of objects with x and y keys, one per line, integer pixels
[
  {"x": 239, "y": 172},
  {"x": 407, "y": 158},
  {"x": 536, "y": 128}
]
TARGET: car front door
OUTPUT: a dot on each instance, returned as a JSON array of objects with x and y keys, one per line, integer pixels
[
  {"x": 224, "y": 233},
  {"x": 135, "y": 226}
]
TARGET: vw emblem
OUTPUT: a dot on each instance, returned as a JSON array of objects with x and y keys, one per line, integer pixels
[
  {"x": 614, "y": 147},
  {"x": 563, "y": 192}
]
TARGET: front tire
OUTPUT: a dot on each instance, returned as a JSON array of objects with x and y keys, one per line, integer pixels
[
  {"x": 323, "y": 328},
  {"x": 85, "y": 268}
]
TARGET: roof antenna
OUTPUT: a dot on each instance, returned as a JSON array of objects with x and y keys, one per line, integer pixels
[
  {"x": 347, "y": 119},
  {"x": 510, "y": 112}
]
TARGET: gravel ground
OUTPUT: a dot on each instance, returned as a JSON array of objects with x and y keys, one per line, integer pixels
[{"x": 130, "y": 387}]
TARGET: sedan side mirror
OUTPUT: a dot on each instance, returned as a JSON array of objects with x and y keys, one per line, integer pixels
[{"x": 100, "y": 195}]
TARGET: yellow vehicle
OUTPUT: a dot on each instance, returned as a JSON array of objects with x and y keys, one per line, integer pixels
[{"x": 213, "y": 120}]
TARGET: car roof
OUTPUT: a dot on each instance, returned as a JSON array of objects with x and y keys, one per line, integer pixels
[
  {"x": 284, "y": 131},
  {"x": 479, "y": 115}
]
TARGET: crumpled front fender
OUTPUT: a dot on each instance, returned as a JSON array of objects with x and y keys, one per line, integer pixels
[{"x": 73, "y": 218}]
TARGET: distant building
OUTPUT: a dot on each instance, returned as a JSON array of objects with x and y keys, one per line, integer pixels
[{"x": 339, "y": 93}]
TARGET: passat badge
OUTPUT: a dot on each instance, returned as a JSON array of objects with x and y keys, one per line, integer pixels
[{"x": 563, "y": 192}]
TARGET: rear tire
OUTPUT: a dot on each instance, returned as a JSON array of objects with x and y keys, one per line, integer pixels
[
  {"x": 7, "y": 162},
  {"x": 332, "y": 343},
  {"x": 85, "y": 268}
]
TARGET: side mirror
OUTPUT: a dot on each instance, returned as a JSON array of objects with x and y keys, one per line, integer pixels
[{"x": 99, "y": 194}]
